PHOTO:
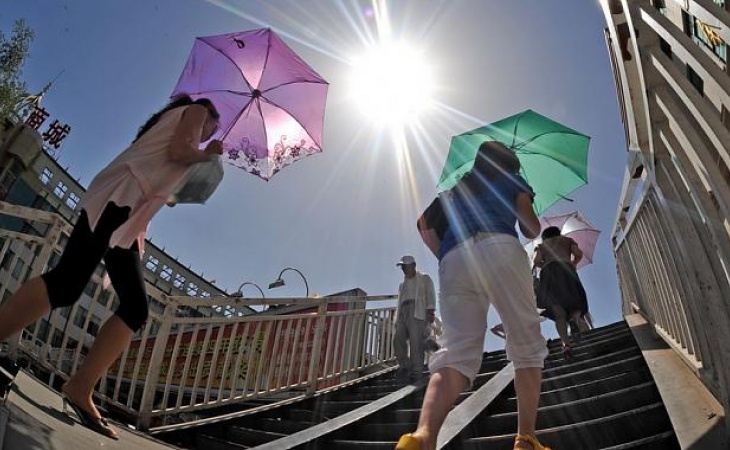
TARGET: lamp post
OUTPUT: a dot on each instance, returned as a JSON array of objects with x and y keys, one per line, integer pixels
[
  {"x": 239, "y": 292},
  {"x": 279, "y": 282}
]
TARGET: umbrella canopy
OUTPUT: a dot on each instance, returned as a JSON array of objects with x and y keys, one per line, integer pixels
[
  {"x": 554, "y": 158},
  {"x": 270, "y": 101},
  {"x": 575, "y": 226}
]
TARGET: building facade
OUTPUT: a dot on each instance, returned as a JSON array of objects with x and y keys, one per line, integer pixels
[{"x": 672, "y": 234}]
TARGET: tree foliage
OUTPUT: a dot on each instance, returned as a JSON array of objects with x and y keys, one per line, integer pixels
[{"x": 13, "y": 53}]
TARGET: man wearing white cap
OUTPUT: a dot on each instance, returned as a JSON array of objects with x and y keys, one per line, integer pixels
[{"x": 416, "y": 303}]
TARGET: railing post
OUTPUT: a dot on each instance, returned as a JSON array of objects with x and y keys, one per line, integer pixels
[
  {"x": 38, "y": 265},
  {"x": 317, "y": 347},
  {"x": 153, "y": 370}
]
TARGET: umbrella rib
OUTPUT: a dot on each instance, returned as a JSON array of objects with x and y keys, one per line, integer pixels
[
  {"x": 532, "y": 139},
  {"x": 232, "y": 62}
]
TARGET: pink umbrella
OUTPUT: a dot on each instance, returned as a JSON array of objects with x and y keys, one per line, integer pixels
[
  {"x": 575, "y": 226},
  {"x": 270, "y": 101}
]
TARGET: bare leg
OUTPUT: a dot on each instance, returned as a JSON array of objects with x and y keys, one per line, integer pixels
[
  {"x": 443, "y": 389},
  {"x": 527, "y": 388},
  {"x": 111, "y": 341},
  {"x": 28, "y": 304},
  {"x": 561, "y": 323}
]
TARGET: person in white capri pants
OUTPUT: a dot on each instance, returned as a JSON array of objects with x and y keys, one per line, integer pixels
[{"x": 482, "y": 263}]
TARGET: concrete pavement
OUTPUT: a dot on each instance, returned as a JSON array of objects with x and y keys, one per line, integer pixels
[{"x": 36, "y": 422}]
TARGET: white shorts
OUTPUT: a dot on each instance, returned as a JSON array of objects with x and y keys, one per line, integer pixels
[{"x": 484, "y": 270}]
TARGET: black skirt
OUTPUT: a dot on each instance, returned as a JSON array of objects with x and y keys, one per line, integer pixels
[{"x": 559, "y": 285}]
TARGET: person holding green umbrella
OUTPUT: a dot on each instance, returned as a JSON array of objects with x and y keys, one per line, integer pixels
[{"x": 482, "y": 262}]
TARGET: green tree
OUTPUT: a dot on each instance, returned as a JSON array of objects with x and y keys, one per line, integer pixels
[{"x": 13, "y": 53}]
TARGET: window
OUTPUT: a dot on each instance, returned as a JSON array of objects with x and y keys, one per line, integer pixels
[
  {"x": 71, "y": 343},
  {"x": 57, "y": 338},
  {"x": 166, "y": 273},
  {"x": 696, "y": 80},
  {"x": 73, "y": 200},
  {"x": 7, "y": 182},
  {"x": 53, "y": 260},
  {"x": 665, "y": 47},
  {"x": 7, "y": 260},
  {"x": 179, "y": 281},
  {"x": 192, "y": 289},
  {"x": 18, "y": 269},
  {"x": 104, "y": 297},
  {"x": 152, "y": 263},
  {"x": 46, "y": 175},
  {"x": 91, "y": 288},
  {"x": 44, "y": 329},
  {"x": 80, "y": 316},
  {"x": 93, "y": 327},
  {"x": 60, "y": 189}
]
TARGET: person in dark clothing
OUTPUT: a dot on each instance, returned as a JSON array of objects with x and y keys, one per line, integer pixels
[{"x": 560, "y": 291}]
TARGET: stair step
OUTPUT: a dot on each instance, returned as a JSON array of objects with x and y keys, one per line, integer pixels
[
  {"x": 629, "y": 398},
  {"x": 592, "y": 373},
  {"x": 590, "y": 388},
  {"x": 251, "y": 437},
  {"x": 608, "y": 431},
  {"x": 661, "y": 441},
  {"x": 207, "y": 442}
]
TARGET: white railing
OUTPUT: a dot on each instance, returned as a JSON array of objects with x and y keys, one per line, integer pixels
[
  {"x": 180, "y": 366},
  {"x": 193, "y": 364}
]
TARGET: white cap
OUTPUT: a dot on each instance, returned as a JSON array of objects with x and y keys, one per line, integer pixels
[{"x": 406, "y": 260}]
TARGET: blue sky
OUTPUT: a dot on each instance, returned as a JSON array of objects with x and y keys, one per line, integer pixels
[{"x": 345, "y": 216}]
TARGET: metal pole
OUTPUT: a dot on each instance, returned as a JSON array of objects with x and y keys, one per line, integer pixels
[
  {"x": 153, "y": 371},
  {"x": 316, "y": 347}
]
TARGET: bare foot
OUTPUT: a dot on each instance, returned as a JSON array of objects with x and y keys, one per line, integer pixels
[{"x": 80, "y": 398}]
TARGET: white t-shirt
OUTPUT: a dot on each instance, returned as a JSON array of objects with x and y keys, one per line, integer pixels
[{"x": 409, "y": 288}]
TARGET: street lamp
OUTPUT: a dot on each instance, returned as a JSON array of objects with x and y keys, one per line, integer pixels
[
  {"x": 239, "y": 292},
  {"x": 279, "y": 282}
]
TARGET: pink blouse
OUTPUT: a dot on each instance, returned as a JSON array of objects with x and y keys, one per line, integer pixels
[{"x": 142, "y": 177}]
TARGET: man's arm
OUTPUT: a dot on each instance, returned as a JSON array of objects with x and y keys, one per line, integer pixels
[{"x": 430, "y": 294}]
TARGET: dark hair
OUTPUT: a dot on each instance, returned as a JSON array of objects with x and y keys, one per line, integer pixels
[
  {"x": 183, "y": 100},
  {"x": 550, "y": 232},
  {"x": 493, "y": 158}
]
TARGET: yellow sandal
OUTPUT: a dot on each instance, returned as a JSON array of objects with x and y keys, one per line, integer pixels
[
  {"x": 409, "y": 442},
  {"x": 527, "y": 439}
]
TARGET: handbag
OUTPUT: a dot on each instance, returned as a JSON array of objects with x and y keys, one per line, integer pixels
[{"x": 200, "y": 182}]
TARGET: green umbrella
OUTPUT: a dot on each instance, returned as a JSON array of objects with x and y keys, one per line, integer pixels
[{"x": 554, "y": 158}]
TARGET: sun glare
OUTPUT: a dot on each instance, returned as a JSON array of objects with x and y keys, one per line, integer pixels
[{"x": 392, "y": 84}]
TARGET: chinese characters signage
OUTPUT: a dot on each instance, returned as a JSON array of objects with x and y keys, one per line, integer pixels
[{"x": 54, "y": 133}]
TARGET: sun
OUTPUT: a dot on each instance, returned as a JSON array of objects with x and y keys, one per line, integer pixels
[{"x": 392, "y": 84}]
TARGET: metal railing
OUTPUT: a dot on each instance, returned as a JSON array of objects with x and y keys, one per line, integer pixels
[{"x": 181, "y": 366}]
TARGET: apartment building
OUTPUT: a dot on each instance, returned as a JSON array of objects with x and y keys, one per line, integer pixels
[{"x": 672, "y": 234}]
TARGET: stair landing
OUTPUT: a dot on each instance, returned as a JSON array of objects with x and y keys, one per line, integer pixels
[{"x": 36, "y": 421}]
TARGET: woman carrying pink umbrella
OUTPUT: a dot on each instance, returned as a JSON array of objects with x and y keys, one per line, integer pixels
[{"x": 560, "y": 290}]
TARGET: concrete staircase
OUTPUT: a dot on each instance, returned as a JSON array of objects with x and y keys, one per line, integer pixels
[{"x": 602, "y": 398}]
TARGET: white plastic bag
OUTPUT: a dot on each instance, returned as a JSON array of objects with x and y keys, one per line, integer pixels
[{"x": 200, "y": 182}]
